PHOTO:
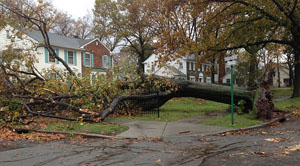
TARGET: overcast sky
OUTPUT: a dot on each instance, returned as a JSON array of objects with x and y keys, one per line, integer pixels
[{"x": 76, "y": 8}]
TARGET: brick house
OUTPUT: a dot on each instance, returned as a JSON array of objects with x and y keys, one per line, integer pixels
[{"x": 97, "y": 56}]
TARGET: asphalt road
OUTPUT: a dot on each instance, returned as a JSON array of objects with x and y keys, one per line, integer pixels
[{"x": 274, "y": 146}]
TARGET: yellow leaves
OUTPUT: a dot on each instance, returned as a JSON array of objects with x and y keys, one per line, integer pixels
[
  {"x": 260, "y": 154},
  {"x": 158, "y": 160},
  {"x": 275, "y": 140},
  {"x": 263, "y": 132}
]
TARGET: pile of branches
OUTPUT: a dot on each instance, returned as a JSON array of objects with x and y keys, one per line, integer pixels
[{"x": 25, "y": 95}]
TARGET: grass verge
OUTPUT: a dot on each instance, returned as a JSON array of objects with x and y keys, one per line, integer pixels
[
  {"x": 289, "y": 104},
  {"x": 95, "y": 128},
  {"x": 240, "y": 121},
  {"x": 180, "y": 108},
  {"x": 282, "y": 92}
]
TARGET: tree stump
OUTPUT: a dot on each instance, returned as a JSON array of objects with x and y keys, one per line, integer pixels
[{"x": 264, "y": 103}]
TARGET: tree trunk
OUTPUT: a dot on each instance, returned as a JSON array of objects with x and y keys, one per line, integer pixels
[
  {"x": 219, "y": 93},
  {"x": 296, "y": 92},
  {"x": 141, "y": 59},
  {"x": 291, "y": 75},
  {"x": 221, "y": 68},
  {"x": 213, "y": 71},
  {"x": 291, "y": 69},
  {"x": 278, "y": 71}
]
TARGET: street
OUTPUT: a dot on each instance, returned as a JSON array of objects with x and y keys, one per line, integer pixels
[{"x": 275, "y": 145}]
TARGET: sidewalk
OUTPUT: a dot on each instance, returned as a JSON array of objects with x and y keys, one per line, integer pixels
[{"x": 166, "y": 129}]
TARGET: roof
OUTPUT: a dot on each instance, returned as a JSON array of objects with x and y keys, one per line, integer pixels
[
  {"x": 59, "y": 40},
  {"x": 175, "y": 71}
]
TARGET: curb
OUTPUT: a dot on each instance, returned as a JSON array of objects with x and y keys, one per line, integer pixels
[
  {"x": 88, "y": 135},
  {"x": 241, "y": 129},
  {"x": 71, "y": 133}
]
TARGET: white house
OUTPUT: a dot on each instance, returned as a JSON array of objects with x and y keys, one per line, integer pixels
[
  {"x": 229, "y": 61},
  {"x": 78, "y": 53},
  {"x": 171, "y": 69},
  {"x": 283, "y": 75},
  {"x": 181, "y": 68}
]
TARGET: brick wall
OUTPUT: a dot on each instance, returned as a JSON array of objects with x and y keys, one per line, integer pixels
[{"x": 98, "y": 51}]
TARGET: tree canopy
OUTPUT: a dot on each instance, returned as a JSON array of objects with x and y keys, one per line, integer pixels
[{"x": 237, "y": 24}]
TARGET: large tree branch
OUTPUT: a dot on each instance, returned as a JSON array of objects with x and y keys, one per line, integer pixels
[
  {"x": 251, "y": 44},
  {"x": 286, "y": 13},
  {"x": 262, "y": 11}
]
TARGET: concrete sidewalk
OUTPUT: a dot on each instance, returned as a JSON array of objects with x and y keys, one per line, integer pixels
[{"x": 166, "y": 129}]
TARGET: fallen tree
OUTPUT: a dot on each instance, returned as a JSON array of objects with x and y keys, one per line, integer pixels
[{"x": 219, "y": 93}]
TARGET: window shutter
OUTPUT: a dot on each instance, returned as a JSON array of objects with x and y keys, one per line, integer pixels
[
  {"x": 46, "y": 55},
  {"x": 57, "y": 53},
  {"x": 92, "y": 60},
  {"x": 66, "y": 56},
  {"x": 103, "y": 63},
  {"x": 75, "y": 58},
  {"x": 83, "y": 59}
]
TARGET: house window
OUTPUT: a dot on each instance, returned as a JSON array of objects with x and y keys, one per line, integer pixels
[
  {"x": 228, "y": 81},
  {"x": 152, "y": 68},
  {"x": 194, "y": 66},
  {"x": 192, "y": 78},
  {"x": 51, "y": 58},
  {"x": 97, "y": 43},
  {"x": 208, "y": 80},
  {"x": 286, "y": 81},
  {"x": 88, "y": 59},
  {"x": 105, "y": 61},
  {"x": 70, "y": 57},
  {"x": 227, "y": 70},
  {"x": 94, "y": 77},
  {"x": 180, "y": 65},
  {"x": 7, "y": 35},
  {"x": 190, "y": 65}
]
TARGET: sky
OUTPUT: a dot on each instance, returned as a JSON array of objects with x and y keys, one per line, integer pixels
[{"x": 76, "y": 8}]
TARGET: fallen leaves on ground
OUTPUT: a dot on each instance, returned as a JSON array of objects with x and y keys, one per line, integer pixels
[
  {"x": 236, "y": 132},
  {"x": 261, "y": 154},
  {"x": 277, "y": 140},
  {"x": 9, "y": 135},
  {"x": 296, "y": 113},
  {"x": 262, "y": 133}
]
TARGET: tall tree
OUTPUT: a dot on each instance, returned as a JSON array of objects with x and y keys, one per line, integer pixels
[
  {"x": 83, "y": 27},
  {"x": 63, "y": 24},
  {"x": 129, "y": 21},
  {"x": 246, "y": 23},
  {"x": 289, "y": 58}
]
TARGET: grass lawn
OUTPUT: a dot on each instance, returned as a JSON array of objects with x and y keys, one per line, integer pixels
[
  {"x": 289, "y": 104},
  {"x": 281, "y": 92},
  {"x": 97, "y": 128},
  {"x": 180, "y": 108},
  {"x": 240, "y": 121}
]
